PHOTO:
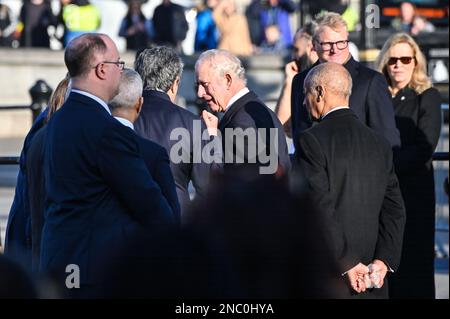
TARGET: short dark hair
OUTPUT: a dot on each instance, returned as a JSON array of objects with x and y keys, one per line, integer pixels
[{"x": 80, "y": 52}]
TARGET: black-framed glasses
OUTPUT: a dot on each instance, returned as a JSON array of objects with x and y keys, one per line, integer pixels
[
  {"x": 119, "y": 64},
  {"x": 327, "y": 46},
  {"x": 403, "y": 59}
]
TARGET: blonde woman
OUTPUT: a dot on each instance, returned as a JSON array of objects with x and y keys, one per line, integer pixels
[{"x": 418, "y": 118}]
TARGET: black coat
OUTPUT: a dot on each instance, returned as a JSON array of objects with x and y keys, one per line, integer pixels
[
  {"x": 99, "y": 191},
  {"x": 352, "y": 183},
  {"x": 250, "y": 112},
  {"x": 18, "y": 230},
  {"x": 36, "y": 193},
  {"x": 158, "y": 118},
  {"x": 418, "y": 118},
  {"x": 158, "y": 164},
  {"x": 370, "y": 100}
]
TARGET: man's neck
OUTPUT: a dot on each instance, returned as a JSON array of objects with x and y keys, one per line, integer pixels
[
  {"x": 344, "y": 105},
  {"x": 124, "y": 114},
  {"x": 239, "y": 93},
  {"x": 89, "y": 88}
]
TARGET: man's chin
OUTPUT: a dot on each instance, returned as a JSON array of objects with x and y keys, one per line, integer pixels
[{"x": 338, "y": 60}]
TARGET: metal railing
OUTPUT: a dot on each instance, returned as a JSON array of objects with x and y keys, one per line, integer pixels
[{"x": 40, "y": 94}]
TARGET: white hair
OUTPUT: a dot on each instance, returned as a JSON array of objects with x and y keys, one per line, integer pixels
[{"x": 130, "y": 90}]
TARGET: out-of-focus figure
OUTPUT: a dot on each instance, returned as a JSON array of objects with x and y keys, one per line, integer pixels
[
  {"x": 404, "y": 22},
  {"x": 276, "y": 12},
  {"x": 233, "y": 28},
  {"x": 303, "y": 56},
  {"x": 207, "y": 35},
  {"x": 34, "y": 19},
  {"x": 421, "y": 25},
  {"x": 7, "y": 25},
  {"x": 80, "y": 16},
  {"x": 170, "y": 25},
  {"x": 135, "y": 27}
]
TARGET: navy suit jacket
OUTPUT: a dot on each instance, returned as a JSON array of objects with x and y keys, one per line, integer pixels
[
  {"x": 370, "y": 100},
  {"x": 99, "y": 190},
  {"x": 158, "y": 118},
  {"x": 249, "y": 112},
  {"x": 158, "y": 164},
  {"x": 18, "y": 229}
]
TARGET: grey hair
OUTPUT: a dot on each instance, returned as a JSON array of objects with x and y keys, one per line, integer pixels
[
  {"x": 331, "y": 20},
  {"x": 332, "y": 76},
  {"x": 222, "y": 62},
  {"x": 158, "y": 67},
  {"x": 130, "y": 90}
]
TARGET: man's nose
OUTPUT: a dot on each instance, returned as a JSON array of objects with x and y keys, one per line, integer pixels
[
  {"x": 332, "y": 50},
  {"x": 200, "y": 91}
]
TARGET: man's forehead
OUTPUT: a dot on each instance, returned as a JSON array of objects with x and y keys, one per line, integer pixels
[{"x": 328, "y": 33}]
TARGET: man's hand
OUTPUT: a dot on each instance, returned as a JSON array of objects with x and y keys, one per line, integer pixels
[
  {"x": 211, "y": 121},
  {"x": 290, "y": 70},
  {"x": 356, "y": 277},
  {"x": 378, "y": 271}
]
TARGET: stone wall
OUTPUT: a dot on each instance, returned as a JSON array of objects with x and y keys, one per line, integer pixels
[{"x": 20, "y": 69}]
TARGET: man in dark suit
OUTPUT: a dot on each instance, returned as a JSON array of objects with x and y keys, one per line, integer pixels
[
  {"x": 160, "y": 69},
  {"x": 351, "y": 181},
  {"x": 370, "y": 99},
  {"x": 99, "y": 190},
  {"x": 125, "y": 107},
  {"x": 253, "y": 139}
]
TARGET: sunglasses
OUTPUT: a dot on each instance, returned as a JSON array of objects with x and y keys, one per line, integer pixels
[{"x": 403, "y": 59}]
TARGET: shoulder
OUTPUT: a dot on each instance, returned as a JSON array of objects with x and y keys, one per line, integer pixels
[
  {"x": 309, "y": 140},
  {"x": 430, "y": 101},
  {"x": 367, "y": 72},
  {"x": 114, "y": 134},
  {"x": 151, "y": 147},
  {"x": 300, "y": 77},
  {"x": 431, "y": 94}
]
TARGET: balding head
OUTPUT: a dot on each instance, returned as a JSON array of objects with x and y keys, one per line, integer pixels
[
  {"x": 94, "y": 65},
  {"x": 81, "y": 51},
  {"x": 332, "y": 77},
  {"x": 327, "y": 85}
]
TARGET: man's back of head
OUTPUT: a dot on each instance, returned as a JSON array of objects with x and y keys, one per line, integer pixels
[
  {"x": 127, "y": 101},
  {"x": 327, "y": 85},
  {"x": 93, "y": 64},
  {"x": 159, "y": 67},
  {"x": 130, "y": 90}
]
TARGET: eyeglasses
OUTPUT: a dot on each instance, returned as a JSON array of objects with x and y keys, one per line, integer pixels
[
  {"x": 403, "y": 59},
  {"x": 327, "y": 46},
  {"x": 119, "y": 64}
]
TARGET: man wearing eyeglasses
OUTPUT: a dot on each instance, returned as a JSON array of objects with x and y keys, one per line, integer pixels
[
  {"x": 99, "y": 191},
  {"x": 370, "y": 98}
]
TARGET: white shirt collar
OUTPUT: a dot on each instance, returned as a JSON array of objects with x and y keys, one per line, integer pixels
[
  {"x": 96, "y": 98},
  {"x": 335, "y": 109},
  {"x": 236, "y": 97},
  {"x": 125, "y": 122}
]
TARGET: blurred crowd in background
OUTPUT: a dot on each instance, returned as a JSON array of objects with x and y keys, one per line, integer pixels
[{"x": 242, "y": 27}]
